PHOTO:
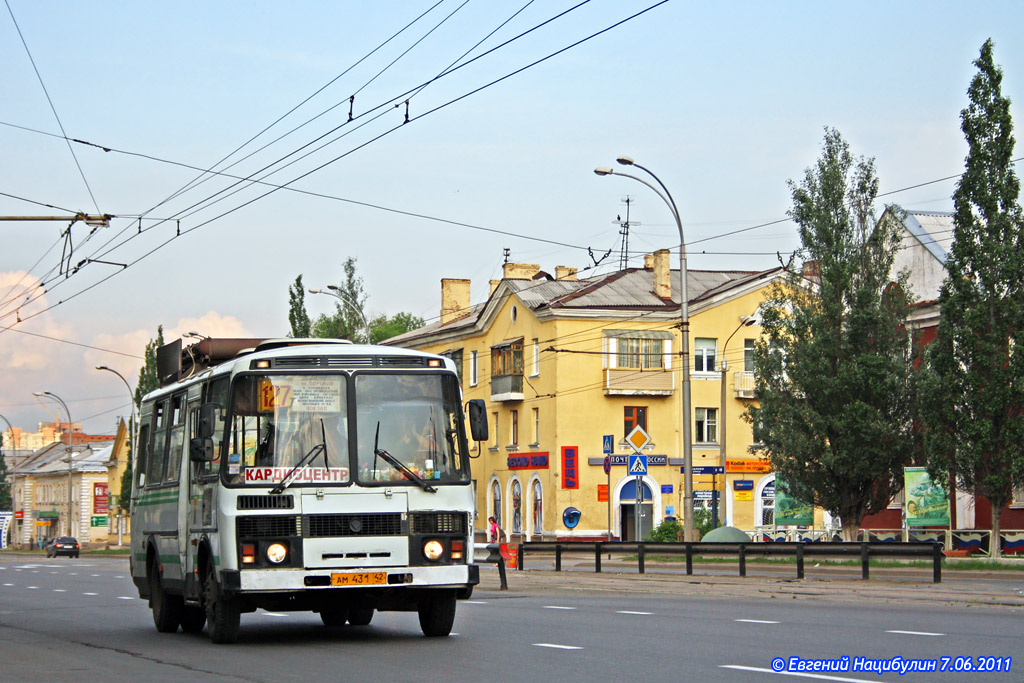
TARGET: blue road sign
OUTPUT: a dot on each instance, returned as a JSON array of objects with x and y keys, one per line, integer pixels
[
  {"x": 608, "y": 444},
  {"x": 637, "y": 464},
  {"x": 706, "y": 469}
]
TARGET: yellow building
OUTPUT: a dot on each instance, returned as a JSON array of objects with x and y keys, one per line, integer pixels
[{"x": 563, "y": 361}]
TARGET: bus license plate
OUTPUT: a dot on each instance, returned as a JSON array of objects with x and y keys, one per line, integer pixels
[{"x": 360, "y": 579}]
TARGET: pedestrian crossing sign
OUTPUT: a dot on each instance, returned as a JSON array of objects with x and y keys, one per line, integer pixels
[{"x": 638, "y": 464}]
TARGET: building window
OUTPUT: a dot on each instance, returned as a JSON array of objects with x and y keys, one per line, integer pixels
[
  {"x": 513, "y": 428},
  {"x": 634, "y": 416},
  {"x": 507, "y": 359},
  {"x": 707, "y": 425},
  {"x": 1018, "y": 496},
  {"x": 455, "y": 355},
  {"x": 517, "y": 507},
  {"x": 496, "y": 502},
  {"x": 640, "y": 353},
  {"x": 536, "y": 426},
  {"x": 474, "y": 368},
  {"x": 495, "y": 433},
  {"x": 704, "y": 354},
  {"x": 748, "y": 355},
  {"x": 536, "y": 358},
  {"x": 538, "y": 509}
]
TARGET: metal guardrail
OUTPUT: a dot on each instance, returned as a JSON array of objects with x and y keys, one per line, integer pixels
[{"x": 865, "y": 551}]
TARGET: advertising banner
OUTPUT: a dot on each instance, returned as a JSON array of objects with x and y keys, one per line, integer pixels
[
  {"x": 927, "y": 503},
  {"x": 100, "y": 499},
  {"x": 790, "y": 511}
]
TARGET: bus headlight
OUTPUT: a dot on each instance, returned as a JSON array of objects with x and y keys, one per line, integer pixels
[
  {"x": 276, "y": 553},
  {"x": 433, "y": 550}
]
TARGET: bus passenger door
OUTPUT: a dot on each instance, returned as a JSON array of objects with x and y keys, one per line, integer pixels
[{"x": 201, "y": 512}]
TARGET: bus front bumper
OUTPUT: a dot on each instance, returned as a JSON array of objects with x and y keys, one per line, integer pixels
[{"x": 279, "y": 580}]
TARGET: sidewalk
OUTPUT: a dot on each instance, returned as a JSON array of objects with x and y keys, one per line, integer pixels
[{"x": 997, "y": 589}]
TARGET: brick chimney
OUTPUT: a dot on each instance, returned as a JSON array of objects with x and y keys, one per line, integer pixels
[
  {"x": 520, "y": 271},
  {"x": 454, "y": 299},
  {"x": 662, "y": 280},
  {"x": 648, "y": 261},
  {"x": 565, "y": 273}
]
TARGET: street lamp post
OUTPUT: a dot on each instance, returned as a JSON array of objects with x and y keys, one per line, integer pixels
[
  {"x": 71, "y": 455},
  {"x": 684, "y": 326},
  {"x": 745, "y": 321},
  {"x": 134, "y": 434},
  {"x": 336, "y": 292},
  {"x": 14, "y": 483}
]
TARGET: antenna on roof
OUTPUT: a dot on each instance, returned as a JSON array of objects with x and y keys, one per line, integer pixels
[
  {"x": 624, "y": 231},
  {"x": 508, "y": 252}
]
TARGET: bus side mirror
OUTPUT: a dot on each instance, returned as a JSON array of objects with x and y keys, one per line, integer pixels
[
  {"x": 201, "y": 447},
  {"x": 478, "y": 419}
]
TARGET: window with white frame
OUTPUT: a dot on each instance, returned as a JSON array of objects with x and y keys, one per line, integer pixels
[
  {"x": 1018, "y": 496},
  {"x": 707, "y": 425},
  {"x": 535, "y": 370},
  {"x": 704, "y": 351},
  {"x": 643, "y": 350},
  {"x": 495, "y": 434},
  {"x": 748, "y": 355},
  {"x": 474, "y": 368},
  {"x": 496, "y": 502},
  {"x": 536, "y": 427},
  {"x": 513, "y": 433}
]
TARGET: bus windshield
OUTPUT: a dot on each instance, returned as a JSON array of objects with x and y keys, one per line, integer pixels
[
  {"x": 289, "y": 429},
  {"x": 414, "y": 419}
]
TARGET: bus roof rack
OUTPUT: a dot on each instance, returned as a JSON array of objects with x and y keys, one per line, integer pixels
[{"x": 175, "y": 361}]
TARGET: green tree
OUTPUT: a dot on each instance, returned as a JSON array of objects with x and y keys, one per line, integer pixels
[
  {"x": 973, "y": 384},
  {"x": 149, "y": 380},
  {"x": 833, "y": 367},
  {"x": 298, "y": 318},
  {"x": 383, "y": 327},
  {"x": 5, "y": 486},
  {"x": 346, "y": 322}
]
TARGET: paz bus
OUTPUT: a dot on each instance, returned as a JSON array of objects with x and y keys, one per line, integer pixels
[{"x": 301, "y": 474}]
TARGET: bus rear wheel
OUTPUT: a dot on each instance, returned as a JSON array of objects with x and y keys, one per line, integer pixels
[
  {"x": 334, "y": 617},
  {"x": 193, "y": 619},
  {"x": 360, "y": 616},
  {"x": 437, "y": 613},
  {"x": 223, "y": 616},
  {"x": 167, "y": 609}
]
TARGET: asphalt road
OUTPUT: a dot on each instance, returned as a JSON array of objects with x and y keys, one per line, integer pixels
[{"x": 75, "y": 620}]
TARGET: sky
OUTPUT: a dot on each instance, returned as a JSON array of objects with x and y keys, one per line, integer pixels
[{"x": 726, "y": 102}]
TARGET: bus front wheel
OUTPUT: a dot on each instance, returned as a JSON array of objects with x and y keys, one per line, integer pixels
[
  {"x": 167, "y": 609},
  {"x": 437, "y": 613},
  {"x": 223, "y": 616}
]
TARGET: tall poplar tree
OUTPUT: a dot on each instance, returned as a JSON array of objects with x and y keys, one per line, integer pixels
[
  {"x": 149, "y": 380},
  {"x": 347, "y": 320},
  {"x": 973, "y": 385},
  {"x": 833, "y": 366},
  {"x": 298, "y": 318}
]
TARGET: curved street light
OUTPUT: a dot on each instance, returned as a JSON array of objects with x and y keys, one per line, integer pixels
[
  {"x": 134, "y": 434},
  {"x": 684, "y": 325},
  {"x": 71, "y": 455},
  {"x": 336, "y": 292}
]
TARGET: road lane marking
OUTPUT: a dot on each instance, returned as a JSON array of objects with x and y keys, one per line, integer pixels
[
  {"x": 799, "y": 674},
  {"x": 626, "y": 611},
  {"x": 32, "y": 587},
  {"x": 59, "y": 590},
  {"x": 274, "y": 614},
  {"x": 474, "y": 602},
  {"x": 557, "y": 647},
  {"x": 90, "y": 593},
  {"x": 917, "y": 633},
  {"x": 93, "y": 575},
  {"x": 125, "y": 597},
  {"x": 8, "y": 584},
  {"x": 756, "y": 621},
  {"x": 557, "y": 607}
]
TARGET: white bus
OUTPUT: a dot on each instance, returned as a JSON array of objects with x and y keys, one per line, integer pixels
[{"x": 302, "y": 475}]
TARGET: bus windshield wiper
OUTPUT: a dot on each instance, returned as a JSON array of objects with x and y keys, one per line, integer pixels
[
  {"x": 306, "y": 459},
  {"x": 400, "y": 466}
]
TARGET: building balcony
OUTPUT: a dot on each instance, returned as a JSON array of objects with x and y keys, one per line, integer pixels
[
  {"x": 506, "y": 388},
  {"x": 635, "y": 382},
  {"x": 743, "y": 384}
]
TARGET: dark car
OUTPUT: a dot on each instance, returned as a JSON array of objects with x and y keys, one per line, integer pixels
[{"x": 62, "y": 545}]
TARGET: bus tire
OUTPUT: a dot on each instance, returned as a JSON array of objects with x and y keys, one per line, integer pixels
[
  {"x": 360, "y": 616},
  {"x": 437, "y": 613},
  {"x": 464, "y": 593},
  {"x": 223, "y": 616},
  {"x": 167, "y": 609},
  {"x": 193, "y": 619},
  {"x": 334, "y": 617}
]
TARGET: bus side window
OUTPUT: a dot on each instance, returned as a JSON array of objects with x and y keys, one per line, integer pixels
[
  {"x": 158, "y": 453},
  {"x": 143, "y": 460},
  {"x": 217, "y": 392},
  {"x": 177, "y": 437}
]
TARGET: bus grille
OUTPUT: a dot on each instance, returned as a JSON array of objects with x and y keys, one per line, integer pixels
[
  {"x": 266, "y": 502},
  {"x": 369, "y": 524},
  {"x": 267, "y": 526},
  {"x": 439, "y": 523}
]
